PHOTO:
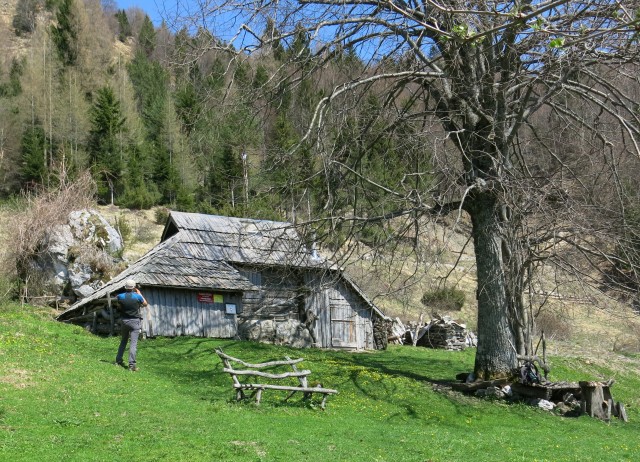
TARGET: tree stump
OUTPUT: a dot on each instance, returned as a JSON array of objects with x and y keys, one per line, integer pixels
[{"x": 596, "y": 400}]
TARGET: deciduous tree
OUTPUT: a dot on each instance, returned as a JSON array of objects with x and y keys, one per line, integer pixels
[{"x": 485, "y": 72}]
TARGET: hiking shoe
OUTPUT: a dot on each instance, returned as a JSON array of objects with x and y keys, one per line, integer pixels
[
  {"x": 119, "y": 363},
  {"x": 133, "y": 369}
]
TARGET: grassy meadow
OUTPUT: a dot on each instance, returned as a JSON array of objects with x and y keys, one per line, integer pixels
[{"x": 62, "y": 399}]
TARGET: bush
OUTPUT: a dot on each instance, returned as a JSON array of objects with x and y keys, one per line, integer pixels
[
  {"x": 42, "y": 211},
  {"x": 444, "y": 299},
  {"x": 140, "y": 197},
  {"x": 554, "y": 324},
  {"x": 101, "y": 263},
  {"x": 162, "y": 215},
  {"x": 24, "y": 20},
  {"x": 144, "y": 232},
  {"x": 124, "y": 228},
  {"x": 8, "y": 288}
]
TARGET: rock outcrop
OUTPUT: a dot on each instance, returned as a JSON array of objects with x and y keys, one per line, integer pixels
[{"x": 76, "y": 257}]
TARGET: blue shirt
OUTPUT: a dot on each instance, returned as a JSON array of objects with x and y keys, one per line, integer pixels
[{"x": 130, "y": 303}]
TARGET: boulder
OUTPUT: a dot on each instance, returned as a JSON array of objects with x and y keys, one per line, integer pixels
[
  {"x": 91, "y": 227},
  {"x": 76, "y": 256}
]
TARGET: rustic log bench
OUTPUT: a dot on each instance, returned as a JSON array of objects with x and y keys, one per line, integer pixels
[{"x": 257, "y": 370}]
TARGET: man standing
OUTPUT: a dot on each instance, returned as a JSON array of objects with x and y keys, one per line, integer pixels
[{"x": 129, "y": 307}]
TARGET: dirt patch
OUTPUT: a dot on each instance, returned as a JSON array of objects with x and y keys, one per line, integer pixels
[
  {"x": 17, "y": 378},
  {"x": 250, "y": 445}
]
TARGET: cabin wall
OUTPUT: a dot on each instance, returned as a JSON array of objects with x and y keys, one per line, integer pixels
[
  {"x": 199, "y": 313},
  {"x": 351, "y": 323},
  {"x": 343, "y": 318},
  {"x": 279, "y": 296},
  {"x": 275, "y": 313}
]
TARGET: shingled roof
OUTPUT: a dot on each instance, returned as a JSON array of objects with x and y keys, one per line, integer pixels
[
  {"x": 174, "y": 263},
  {"x": 243, "y": 240},
  {"x": 196, "y": 251}
]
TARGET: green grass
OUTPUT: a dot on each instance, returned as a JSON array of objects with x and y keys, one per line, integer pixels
[{"x": 62, "y": 399}]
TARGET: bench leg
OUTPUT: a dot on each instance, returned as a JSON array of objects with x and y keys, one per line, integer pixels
[
  {"x": 239, "y": 395},
  {"x": 324, "y": 400},
  {"x": 258, "y": 396}
]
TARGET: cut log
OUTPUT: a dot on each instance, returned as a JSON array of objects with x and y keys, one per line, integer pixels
[
  {"x": 622, "y": 412},
  {"x": 473, "y": 386},
  {"x": 415, "y": 334},
  {"x": 594, "y": 402},
  {"x": 532, "y": 391}
]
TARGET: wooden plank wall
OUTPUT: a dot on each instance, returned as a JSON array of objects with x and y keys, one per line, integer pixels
[
  {"x": 344, "y": 320},
  {"x": 175, "y": 312},
  {"x": 317, "y": 302},
  {"x": 351, "y": 319},
  {"x": 278, "y": 297}
]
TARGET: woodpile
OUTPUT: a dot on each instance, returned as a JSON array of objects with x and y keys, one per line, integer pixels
[
  {"x": 397, "y": 332},
  {"x": 440, "y": 332},
  {"x": 104, "y": 320}
]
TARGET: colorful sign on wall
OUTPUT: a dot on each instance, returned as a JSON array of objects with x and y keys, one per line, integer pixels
[{"x": 205, "y": 297}]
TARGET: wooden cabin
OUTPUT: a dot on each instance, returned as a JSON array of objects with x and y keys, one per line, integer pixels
[{"x": 214, "y": 276}]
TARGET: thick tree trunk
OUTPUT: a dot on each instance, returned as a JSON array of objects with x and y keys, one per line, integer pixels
[{"x": 496, "y": 355}]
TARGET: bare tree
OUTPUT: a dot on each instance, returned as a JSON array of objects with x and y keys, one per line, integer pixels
[{"x": 492, "y": 75}]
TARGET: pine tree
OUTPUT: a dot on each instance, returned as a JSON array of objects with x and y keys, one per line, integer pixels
[
  {"x": 140, "y": 192},
  {"x": 33, "y": 167},
  {"x": 151, "y": 83},
  {"x": 287, "y": 171},
  {"x": 188, "y": 106},
  {"x": 124, "y": 28},
  {"x": 13, "y": 87}
]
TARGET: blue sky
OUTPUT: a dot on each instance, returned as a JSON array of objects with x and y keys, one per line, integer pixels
[{"x": 152, "y": 7}]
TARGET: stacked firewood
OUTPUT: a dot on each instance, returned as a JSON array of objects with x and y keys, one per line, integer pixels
[
  {"x": 101, "y": 321},
  {"x": 397, "y": 332},
  {"x": 440, "y": 332}
]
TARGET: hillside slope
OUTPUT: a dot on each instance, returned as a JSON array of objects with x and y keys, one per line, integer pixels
[{"x": 61, "y": 398}]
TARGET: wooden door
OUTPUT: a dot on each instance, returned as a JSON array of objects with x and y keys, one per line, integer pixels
[{"x": 344, "y": 329}]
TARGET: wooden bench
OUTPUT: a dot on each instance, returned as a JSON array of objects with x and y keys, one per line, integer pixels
[{"x": 257, "y": 370}]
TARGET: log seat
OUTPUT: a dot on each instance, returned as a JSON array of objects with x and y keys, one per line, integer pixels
[{"x": 252, "y": 371}]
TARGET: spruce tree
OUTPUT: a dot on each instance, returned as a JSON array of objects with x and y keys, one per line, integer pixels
[
  {"x": 147, "y": 36},
  {"x": 33, "y": 167},
  {"x": 140, "y": 192},
  {"x": 124, "y": 28},
  {"x": 104, "y": 143},
  {"x": 65, "y": 33}
]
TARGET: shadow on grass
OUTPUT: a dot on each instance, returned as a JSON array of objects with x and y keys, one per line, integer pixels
[
  {"x": 437, "y": 371},
  {"x": 192, "y": 363}
]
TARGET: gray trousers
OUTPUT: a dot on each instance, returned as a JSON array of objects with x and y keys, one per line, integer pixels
[{"x": 130, "y": 329}]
